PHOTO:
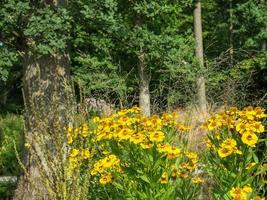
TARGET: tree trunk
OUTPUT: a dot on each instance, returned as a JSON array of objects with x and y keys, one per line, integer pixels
[
  {"x": 48, "y": 101},
  {"x": 144, "y": 95},
  {"x": 201, "y": 90},
  {"x": 231, "y": 33},
  {"x": 263, "y": 44}
]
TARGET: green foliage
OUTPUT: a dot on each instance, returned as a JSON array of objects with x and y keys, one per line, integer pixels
[
  {"x": 232, "y": 159},
  {"x": 7, "y": 190},
  {"x": 10, "y": 34},
  {"x": 11, "y": 135},
  {"x": 7, "y": 60},
  {"x": 48, "y": 30},
  {"x": 105, "y": 37},
  {"x": 236, "y": 82},
  {"x": 94, "y": 65}
]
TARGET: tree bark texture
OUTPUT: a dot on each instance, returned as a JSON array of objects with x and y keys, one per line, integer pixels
[
  {"x": 144, "y": 79},
  {"x": 48, "y": 100},
  {"x": 201, "y": 90}
]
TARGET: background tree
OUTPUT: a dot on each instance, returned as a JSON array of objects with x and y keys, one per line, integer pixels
[
  {"x": 239, "y": 81},
  {"x": 201, "y": 88},
  {"x": 152, "y": 39},
  {"x": 124, "y": 49}
]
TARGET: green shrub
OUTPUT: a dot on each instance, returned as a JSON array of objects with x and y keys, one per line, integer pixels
[{"x": 11, "y": 133}]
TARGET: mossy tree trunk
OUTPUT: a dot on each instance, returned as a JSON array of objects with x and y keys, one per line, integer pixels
[{"x": 48, "y": 101}]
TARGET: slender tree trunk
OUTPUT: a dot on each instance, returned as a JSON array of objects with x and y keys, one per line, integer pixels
[
  {"x": 201, "y": 90},
  {"x": 144, "y": 95},
  {"x": 263, "y": 44},
  {"x": 231, "y": 33}
]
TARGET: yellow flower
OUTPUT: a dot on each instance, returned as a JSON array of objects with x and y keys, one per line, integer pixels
[
  {"x": 70, "y": 135},
  {"x": 192, "y": 156},
  {"x": 96, "y": 119},
  {"x": 85, "y": 130},
  {"x": 157, "y": 136},
  {"x": 188, "y": 166},
  {"x": 106, "y": 152},
  {"x": 240, "y": 193},
  {"x": 76, "y": 132},
  {"x": 259, "y": 112},
  {"x": 250, "y": 127},
  {"x": 247, "y": 188},
  {"x": 183, "y": 174},
  {"x": 105, "y": 179},
  {"x": 173, "y": 153},
  {"x": 135, "y": 109},
  {"x": 137, "y": 138},
  {"x": 205, "y": 125},
  {"x": 249, "y": 110},
  {"x": 258, "y": 198},
  {"x": 197, "y": 180},
  {"x": 232, "y": 110},
  {"x": 225, "y": 151},
  {"x": 69, "y": 139},
  {"x": 74, "y": 152},
  {"x": 213, "y": 124},
  {"x": 125, "y": 134},
  {"x": 250, "y": 165},
  {"x": 209, "y": 144},
  {"x": 236, "y": 150},
  {"x": 241, "y": 127},
  {"x": 249, "y": 138},
  {"x": 175, "y": 172},
  {"x": 259, "y": 128},
  {"x": 164, "y": 178},
  {"x": 73, "y": 162},
  {"x": 182, "y": 128},
  {"x": 109, "y": 162},
  {"x": 86, "y": 154},
  {"x": 228, "y": 147},
  {"x": 163, "y": 148},
  {"x": 146, "y": 145},
  {"x": 229, "y": 143}
]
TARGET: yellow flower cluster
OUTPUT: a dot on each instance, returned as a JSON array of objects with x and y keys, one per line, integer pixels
[
  {"x": 246, "y": 122},
  {"x": 240, "y": 193},
  {"x": 228, "y": 147},
  {"x": 249, "y": 125},
  {"x": 191, "y": 162},
  {"x": 130, "y": 125},
  {"x": 105, "y": 166},
  {"x": 170, "y": 151},
  {"x": 105, "y": 178},
  {"x": 76, "y": 156},
  {"x": 258, "y": 198},
  {"x": 184, "y": 170},
  {"x": 164, "y": 178},
  {"x": 197, "y": 180},
  {"x": 73, "y": 133}
]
